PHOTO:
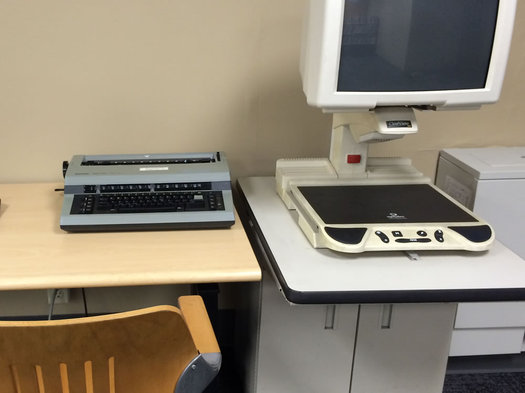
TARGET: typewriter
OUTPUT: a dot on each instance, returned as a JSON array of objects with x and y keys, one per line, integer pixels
[{"x": 147, "y": 192}]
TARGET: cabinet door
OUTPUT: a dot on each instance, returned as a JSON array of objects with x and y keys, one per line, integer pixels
[
  {"x": 303, "y": 348},
  {"x": 402, "y": 348}
]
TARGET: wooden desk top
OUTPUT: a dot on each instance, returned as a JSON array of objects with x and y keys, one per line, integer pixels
[{"x": 35, "y": 253}]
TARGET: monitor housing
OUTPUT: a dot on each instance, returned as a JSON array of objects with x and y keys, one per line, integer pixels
[{"x": 445, "y": 54}]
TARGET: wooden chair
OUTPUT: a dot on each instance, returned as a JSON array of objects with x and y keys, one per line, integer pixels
[{"x": 160, "y": 349}]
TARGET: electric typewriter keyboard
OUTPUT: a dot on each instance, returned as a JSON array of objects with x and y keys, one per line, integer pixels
[{"x": 147, "y": 202}]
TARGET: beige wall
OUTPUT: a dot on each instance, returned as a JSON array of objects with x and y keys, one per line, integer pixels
[{"x": 111, "y": 76}]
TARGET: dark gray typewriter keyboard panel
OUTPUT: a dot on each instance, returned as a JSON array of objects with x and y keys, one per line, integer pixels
[{"x": 147, "y": 202}]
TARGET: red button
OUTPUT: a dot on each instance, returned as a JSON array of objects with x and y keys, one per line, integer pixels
[{"x": 353, "y": 158}]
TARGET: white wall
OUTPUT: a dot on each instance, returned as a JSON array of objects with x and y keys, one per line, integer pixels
[{"x": 142, "y": 76}]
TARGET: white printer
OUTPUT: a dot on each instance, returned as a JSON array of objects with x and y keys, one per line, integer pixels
[{"x": 490, "y": 182}]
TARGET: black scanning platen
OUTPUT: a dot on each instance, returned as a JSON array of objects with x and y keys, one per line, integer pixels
[{"x": 383, "y": 204}]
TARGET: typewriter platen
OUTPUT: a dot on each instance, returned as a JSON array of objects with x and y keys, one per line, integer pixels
[{"x": 147, "y": 192}]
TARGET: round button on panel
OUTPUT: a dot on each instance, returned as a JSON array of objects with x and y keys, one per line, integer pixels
[{"x": 421, "y": 233}]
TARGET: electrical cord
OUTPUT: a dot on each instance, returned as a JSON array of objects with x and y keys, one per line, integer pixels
[
  {"x": 84, "y": 301},
  {"x": 52, "y": 305}
]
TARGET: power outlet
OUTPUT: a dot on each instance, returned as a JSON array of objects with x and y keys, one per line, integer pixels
[{"x": 61, "y": 297}]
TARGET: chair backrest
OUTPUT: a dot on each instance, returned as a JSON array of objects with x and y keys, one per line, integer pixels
[{"x": 138, "y": 351}]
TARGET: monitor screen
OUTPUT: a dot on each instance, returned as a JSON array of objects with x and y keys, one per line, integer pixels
[
  {"x": 416, "y": 45},
  {"x": 363, "y": 54}
]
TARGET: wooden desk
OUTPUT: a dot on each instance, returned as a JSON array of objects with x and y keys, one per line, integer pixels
[{"x": 35, "y": 253}]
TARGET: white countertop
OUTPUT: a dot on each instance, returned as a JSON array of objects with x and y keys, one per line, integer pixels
[{"x": 306, "y": 274}]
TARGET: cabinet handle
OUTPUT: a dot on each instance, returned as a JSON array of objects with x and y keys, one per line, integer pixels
[
  {"x": 386, "y": 316},
  {"x": 329, "y": 319}
]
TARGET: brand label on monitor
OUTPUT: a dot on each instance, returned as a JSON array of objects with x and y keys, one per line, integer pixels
[{"x": 399, "y": 124}]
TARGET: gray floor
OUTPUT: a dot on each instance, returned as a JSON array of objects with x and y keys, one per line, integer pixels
[{"x": 486, "y": 374}]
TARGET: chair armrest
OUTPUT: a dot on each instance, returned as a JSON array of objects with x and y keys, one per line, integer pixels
[
  {"x": 199, "y": 325},
  {"x": 206, "y": 365}
]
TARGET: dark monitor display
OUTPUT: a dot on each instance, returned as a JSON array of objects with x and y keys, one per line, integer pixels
[{"x": 416, "y": 45}]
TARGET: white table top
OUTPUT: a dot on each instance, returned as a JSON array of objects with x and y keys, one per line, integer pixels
[
  {"x": 35, "y": 253},
  {"x": 309, "y": 275}
]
